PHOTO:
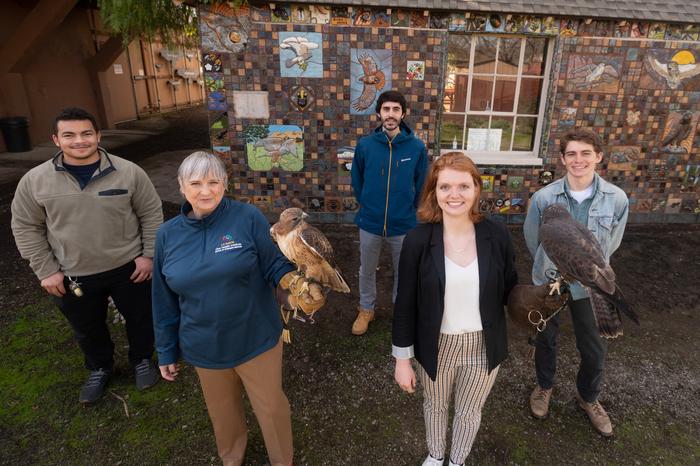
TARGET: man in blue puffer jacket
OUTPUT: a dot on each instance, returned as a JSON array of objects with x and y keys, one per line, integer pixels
[{"x": 388, "y": 171}]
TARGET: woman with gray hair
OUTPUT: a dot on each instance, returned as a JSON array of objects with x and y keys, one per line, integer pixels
[{"x": 214, "y": 276}]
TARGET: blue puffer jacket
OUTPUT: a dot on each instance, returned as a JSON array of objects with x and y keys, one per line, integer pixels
[{"x": 387, "y": 178}]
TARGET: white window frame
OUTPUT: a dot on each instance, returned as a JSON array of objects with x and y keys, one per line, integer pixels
[{"x": 507, "y": 157}]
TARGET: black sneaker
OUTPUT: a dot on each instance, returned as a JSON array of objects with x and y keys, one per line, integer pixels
[
  {"x": 147, "y": 374},
  {"x": 94, "y": 388}
]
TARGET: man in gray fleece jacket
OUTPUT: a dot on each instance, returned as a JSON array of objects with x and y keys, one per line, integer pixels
[{"x": 86, "y": 220}]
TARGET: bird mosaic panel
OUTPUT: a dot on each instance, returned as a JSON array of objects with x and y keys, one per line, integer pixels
[
  {"x": 679, "y": 131},
  {"x": 275, "y": 146},
  {"x": 301, "y": 54},
  {"x": 596, "y": 73},
  {"x": 370, "y": 72},
  {"x": 672, "y": 69}
]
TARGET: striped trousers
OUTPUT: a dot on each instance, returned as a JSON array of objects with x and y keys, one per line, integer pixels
[{"x": 462, "y": 368}]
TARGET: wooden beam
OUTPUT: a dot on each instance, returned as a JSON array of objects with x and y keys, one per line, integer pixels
[
  {"x": 37, "y": 25},
  {"x": 109, "y": 51}
]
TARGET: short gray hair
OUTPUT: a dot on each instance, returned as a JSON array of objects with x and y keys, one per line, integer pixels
[{"x": 199, "y": 164}]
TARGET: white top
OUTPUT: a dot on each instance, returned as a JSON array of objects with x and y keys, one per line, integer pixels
[
  {"x": 461, "y": 313},
  {"x": 581, "y": 196}
]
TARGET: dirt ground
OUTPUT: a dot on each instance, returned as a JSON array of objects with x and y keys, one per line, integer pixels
[{"x": 346, "y": 408}]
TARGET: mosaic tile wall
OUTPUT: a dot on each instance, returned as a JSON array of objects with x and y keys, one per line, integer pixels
[
  {"x": 645, "y": 105},
  {"x": 290, "y": 89}
]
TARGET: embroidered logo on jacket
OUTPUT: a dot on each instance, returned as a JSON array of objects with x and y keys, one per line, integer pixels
[
  {"x": 227, "y": 243},
  {"x": 406, "y": 159}
]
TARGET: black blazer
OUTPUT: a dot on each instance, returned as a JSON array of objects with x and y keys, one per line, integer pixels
[{"x": 420, "y": 300}]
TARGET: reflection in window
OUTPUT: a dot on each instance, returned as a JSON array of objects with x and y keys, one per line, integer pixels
[{"x": 535, "y": 52}]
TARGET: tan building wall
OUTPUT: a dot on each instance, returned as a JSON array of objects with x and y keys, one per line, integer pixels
[{"x": 72, "y": 63}]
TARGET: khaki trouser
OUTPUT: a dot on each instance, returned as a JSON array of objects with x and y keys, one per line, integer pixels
[{"x": 223, "y": 393}]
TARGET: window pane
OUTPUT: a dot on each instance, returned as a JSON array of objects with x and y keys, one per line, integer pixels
[
  {"x": 455, "y": 99},
  {"x": 482, "y": 87},
  {"x": 535, "y": 54},
  {"x": 458, "y": 52},
  {"x": 477, "y": 134},
  {"x": 524, "y": 133},
  {"x": 458, "y": 49},
  {"x": 504, "y": 95},
  {"x": 451, "y": 131},
  {"x": 502, "y": 127},
  {"x": 508, "y": 56},
  {"x": 485, "y": 54},
  {"x": 529, "y": 100}
]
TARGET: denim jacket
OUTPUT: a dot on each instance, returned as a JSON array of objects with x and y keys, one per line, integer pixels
[{"x": 607, "y": 218}]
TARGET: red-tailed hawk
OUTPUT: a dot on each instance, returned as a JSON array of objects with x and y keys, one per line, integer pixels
[
  {"x": 578, "y": 257},
  {"x": 308, "y": 248},
  {"x": 372, "y": 79}
]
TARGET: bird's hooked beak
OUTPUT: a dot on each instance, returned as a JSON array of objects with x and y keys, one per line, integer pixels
[{"x": 304, "y": 215}]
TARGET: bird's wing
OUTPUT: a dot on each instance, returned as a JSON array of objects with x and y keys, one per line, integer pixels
[
  {"x": 683, "y": 133},
  {"x": 606, "y": 316},
  {"x": 369, "y": 92},
  {"x": 672, "y": 133},
  {"x": 583, "y": 71},
  {"x": 298, "y": 44},
  {"x": 657, "y": 66},
  {"x": 576, "y": 253},
  {"x": 317, "y": 243},
  {"x": 688, "y": 71}
]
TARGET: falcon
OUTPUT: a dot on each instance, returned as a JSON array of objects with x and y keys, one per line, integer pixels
[
  {"x": 578, "y": 257},
  {"x": 309, "y": 249},
  {"x": 593, "y": 74},
  {"x": 678, "y": 131},
  {"x": 372, "y": 80},
  {"x": 301, "y": 46}
]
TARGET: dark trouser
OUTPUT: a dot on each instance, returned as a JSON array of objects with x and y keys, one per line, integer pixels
[
  {"x": 88, "y": 314},
  {"x": 591, "y": 346}
]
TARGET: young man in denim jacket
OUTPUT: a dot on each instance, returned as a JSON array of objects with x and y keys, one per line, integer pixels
[{"x": 603, "y": 208}]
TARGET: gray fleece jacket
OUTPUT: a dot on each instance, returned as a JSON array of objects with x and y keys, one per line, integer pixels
[{"x": 60, "y": 227}]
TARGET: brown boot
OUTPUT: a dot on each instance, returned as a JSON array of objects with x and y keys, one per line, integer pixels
[
  {"x": 364, "y": 317},
  {"x": 599, "y": 418},
  {"x": 539, "y": 402}
]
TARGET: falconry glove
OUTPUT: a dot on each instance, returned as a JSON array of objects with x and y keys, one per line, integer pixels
[{"x": 303, "y": 293}]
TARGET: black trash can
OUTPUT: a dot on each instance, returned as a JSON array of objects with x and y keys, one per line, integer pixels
[{"x": 15, "y": 131}]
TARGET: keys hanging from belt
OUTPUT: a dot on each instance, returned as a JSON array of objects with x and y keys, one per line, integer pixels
[{"x": 74, "y": 287}]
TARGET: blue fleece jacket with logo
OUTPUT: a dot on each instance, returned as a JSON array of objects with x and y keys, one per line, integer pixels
[
  {"x": 387, "y": 179},
  {"x": 214, "y": 285}
]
